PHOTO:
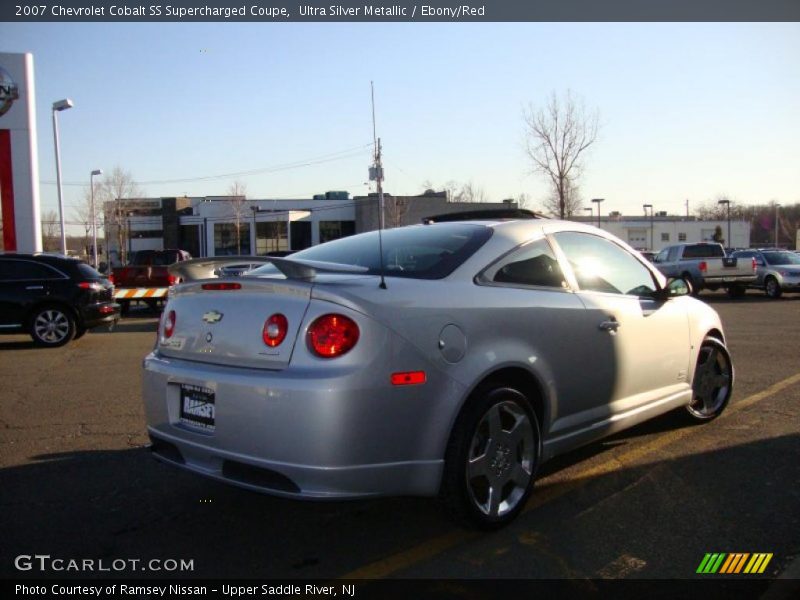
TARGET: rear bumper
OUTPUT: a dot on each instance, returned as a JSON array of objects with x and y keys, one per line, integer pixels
[
  {"x": 95, "y": 315},
  {"x": 303, "y": 435}
]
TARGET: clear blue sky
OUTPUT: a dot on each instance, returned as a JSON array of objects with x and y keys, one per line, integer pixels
[{"x": 688, "y": 111}]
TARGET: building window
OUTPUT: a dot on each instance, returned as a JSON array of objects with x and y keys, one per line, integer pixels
[
  {"x": 333, "y": 230},
  {"x": 271, "y": 236},
  {"x": 664, "y": 237},
  {"x": 225, "y": 239},
  {"x": 301, "y": 235},
  {"x": 681, "y": 237}
]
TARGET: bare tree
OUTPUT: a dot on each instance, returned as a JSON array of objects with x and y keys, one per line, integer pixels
[
  {"x": 51, "y": 231},
  {"x": 117, "y": 185},
  {"x": 471, "y": 193},
  {"x": 83, "y": 215},
  {"x": 397, "y": 209},
  {"x": 238, "y": 208},
  {"x": 458, "y": 192},
  {"x": 557, "y": 137},
  {"x": 571, "y": 198}
]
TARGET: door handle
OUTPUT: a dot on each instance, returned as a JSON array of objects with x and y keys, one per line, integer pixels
[
  {"x": 611, "y": 325},
  {"x": 34, "y": 287}
]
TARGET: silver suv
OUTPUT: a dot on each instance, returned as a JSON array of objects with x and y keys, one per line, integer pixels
[{"x": 777, "y": 270}]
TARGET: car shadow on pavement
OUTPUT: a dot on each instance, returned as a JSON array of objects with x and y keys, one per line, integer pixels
[{"x": 121, "y": 504}]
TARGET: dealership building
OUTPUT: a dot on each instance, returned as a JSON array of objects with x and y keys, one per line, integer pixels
[{"x": 225, "y": 225}]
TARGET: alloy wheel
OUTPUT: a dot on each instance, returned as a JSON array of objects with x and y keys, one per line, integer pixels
[
  {"x": 51, "y": 326},
  {"x": 712, "y": 383},
  {"x": 501, "y": 459}
]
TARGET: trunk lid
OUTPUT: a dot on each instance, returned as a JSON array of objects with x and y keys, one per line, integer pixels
[{"x": 225, "y": 327}]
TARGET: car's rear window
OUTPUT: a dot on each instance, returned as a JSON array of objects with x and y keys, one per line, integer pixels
[
  {"x": 782, "y": 258},
  {"x": 87, "y": 271},
  {"x": 418, "y": 252},
  {"x": 703, "y": 251}
]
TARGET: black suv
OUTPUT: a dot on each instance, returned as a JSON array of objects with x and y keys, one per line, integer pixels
[{"x": 52, "y": 297}]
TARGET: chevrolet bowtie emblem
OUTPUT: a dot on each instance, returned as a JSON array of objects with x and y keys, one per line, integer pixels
[{"x": 212, "y": 316}]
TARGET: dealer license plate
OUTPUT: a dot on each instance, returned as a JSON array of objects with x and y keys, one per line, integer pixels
[{"x": 197, "y": 407}]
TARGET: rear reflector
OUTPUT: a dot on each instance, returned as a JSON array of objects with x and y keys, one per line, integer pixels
[
  {"x": 703, "y": 266},
  {"x": 408, "y": 378},
  {"x": 222, "y": 286},
  {"x": 169, "y": 324},
  {"x": 755, "y": 266}
]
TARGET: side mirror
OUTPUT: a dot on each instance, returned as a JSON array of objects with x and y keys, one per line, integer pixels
[{"x": 675, "y": 287}]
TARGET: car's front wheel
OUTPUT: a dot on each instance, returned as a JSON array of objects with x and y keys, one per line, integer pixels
[
  {"x": 52, "y": 326},
  {"x": 772, "y": 288},
  {"x": 491, "y": 459},
  {"x": 713, "y": 381}
]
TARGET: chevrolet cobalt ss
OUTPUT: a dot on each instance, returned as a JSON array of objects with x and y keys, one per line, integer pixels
[{"x": 452, "y": 364}]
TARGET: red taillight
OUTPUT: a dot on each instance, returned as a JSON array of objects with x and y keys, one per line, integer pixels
[
  {"x": 91, "y": 285},
  {"x": 755, "y": 266},
  {"x": 332, "y": 335},
  {"x": 173, "y": 280},
  {"x": 169, "y": 324},
  {"x": 222, "y": 286},
  {"x": 703, "y": 266},
  {"x": 408, "y": 378},
  {"x": 275, "y": 329}
]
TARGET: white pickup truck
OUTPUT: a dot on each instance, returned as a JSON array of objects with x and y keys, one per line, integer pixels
[{"x": 705, "y": 266}]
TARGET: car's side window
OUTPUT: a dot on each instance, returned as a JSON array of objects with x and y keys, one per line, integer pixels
[
  {"x": 22, "y": 270},
  {"x": 532, "y": 264},
  {"x": 662, "y": 256},
  {"x": 602, "y": 266}
]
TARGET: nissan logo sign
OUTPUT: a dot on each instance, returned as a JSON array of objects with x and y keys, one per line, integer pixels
[{"x": 8, "y": 91}]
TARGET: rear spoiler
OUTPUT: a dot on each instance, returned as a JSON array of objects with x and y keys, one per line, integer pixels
[{"x": 209, "y": 268}]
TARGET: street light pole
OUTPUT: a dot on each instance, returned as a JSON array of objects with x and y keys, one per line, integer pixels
[
  {"x": 728, "y": 204},
  {"x": 650, "y": 206},
  {"x": 94, "y": 219},
  {"x": 58, "y": 107},
  {"x": 598, "y": 201}
]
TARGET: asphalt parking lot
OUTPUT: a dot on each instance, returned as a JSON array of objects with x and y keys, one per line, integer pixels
[{"x": 76, "y": 481}]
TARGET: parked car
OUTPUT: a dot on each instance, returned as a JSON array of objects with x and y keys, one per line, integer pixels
[
  {"x": 706, "y": 266},
  {"x": 777, "y": 271},
  {"x": 145, "y": 278},
  {"x": 53, "y": 298},
  {"x": 454, "y": 363}
]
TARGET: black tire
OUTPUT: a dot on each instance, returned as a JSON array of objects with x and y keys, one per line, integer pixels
[
  {"x": 712, "y": 384},
  {"x": 736, "y": 291},
  {"x": 497, "y": 433},
  {"x": 79, "y": 332},
  {"x": 52, "y": 325},
  {"x": 772, "y": 288}
]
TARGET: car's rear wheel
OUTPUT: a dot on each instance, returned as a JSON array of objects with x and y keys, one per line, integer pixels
[
  {"x": 713, "y": 381},
  {"x": 772, "y": 287},
  {"x": 80, "y": 331},
  {"x": 52, "y": 326},
  {"x": 491, "y": 459}
]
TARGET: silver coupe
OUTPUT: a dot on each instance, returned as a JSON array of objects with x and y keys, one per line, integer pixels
[{"x": 447, "y": 359}]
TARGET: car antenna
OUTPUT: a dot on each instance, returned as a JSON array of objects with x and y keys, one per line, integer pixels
[{"x": 376, "y": 174}]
